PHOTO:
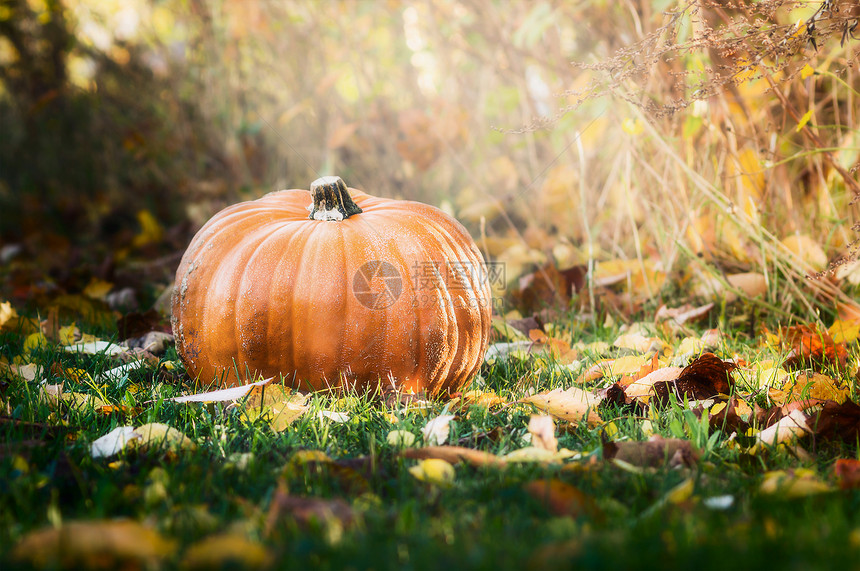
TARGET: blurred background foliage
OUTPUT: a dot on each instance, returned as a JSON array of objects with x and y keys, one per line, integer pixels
[{"x": 645, "y": 138}]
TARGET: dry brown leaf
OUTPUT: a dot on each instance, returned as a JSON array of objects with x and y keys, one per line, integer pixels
[
  {"x": 654, "y": 452},
  {"x": 561, "y": 499},
  {"x": 837, "y": 421},
  {"x": 332, "y": 514},
  {"x": 847, "y": 471},
  {"x": 705, "y": 377},
  {"x": 573, "y": 404},
  {"x": 810, "y": 347}
]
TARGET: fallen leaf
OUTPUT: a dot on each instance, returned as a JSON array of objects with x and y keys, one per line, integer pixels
[
  {"x": 837, "y": 421},
  {"x": 95, "y": 348},
  {"x": 113, "y": 442},
  {"x": 848, "y": 473},
  {"x": 806, "y": 250},
  {"x": 453, "y": 455},
  {"x": 751, "y": 284},
  {"x": 561, "y": 499},
  {"x": 683, "y": 314},
  {"x": 542, "y": 429},
  {"x": 533, "y": 454},
  {"x": 103, "y": 544},
  {"x": 633, "y": 341},
  {"x": 810, "y": 347},
  {"x": 7, "y": 313},
  {"x": 842, "y": 331},
  {"x": 705, "y": 377},
  {"x": 815, "y": 386},
  {"x": 654, "y": 452},
  {"x": 437, "y": 429},
  {"x": 146, "y": 436},
  {"x": 400, "y": 438},
  {"x": 573, "y": 404},
  {"x": 226, "y": 550},
  {"x": 433, "y": 471},
  {"x": 223, "y": 395},
  {"x": 794, "y": 483},
  {"x": 644, "y": 387},
  {"x": 332, "y": 515},
  {"x": 784, "y": 431}
]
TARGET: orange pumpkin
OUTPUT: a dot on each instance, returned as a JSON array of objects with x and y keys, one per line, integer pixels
[{"x": 364, "y": 290}]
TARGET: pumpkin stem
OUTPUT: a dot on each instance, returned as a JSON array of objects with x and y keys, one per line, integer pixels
[{"x": 331, "y": 200}]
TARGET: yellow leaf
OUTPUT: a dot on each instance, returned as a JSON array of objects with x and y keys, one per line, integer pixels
[
  {"x": 693, "y": 345},
  {"x": 794, "y": 483},
  {"x": 807, "y": 71},
  {"x": 150, "y": 230},
  {"x": 433, "y": 470},
  {"x": 573, "y": 404},
  {"x": 843, "y": 331},
  {"x": 632, "y": 126},
  {"x": 34, "y": 341},
  {"x": 682, "y": 492},
  {"x": 68, "y": 334},
  {"x": 158, "y": 434},
  {"x": 101, "y": 544},
  {"x": 97, "y": 289},
  {"x": 400, "y": 438},
  {"x": 817, "y": 386},
  {"x": 7, "y": 313},
  {"x": 804, "y": 120},
  {"x": 226, "y": 550},
  {"x": 806, "y": 249},
  {"x": 533, "y": 454}
]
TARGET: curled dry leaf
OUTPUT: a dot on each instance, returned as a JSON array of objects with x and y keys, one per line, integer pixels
[
  {"x": 573, "y": 404},
  {"x": 542, "y": 429},
  {"x": 453, "y": 455},
  {"x": 223, "y": 395},
  {"x": 705, "y": 377}
]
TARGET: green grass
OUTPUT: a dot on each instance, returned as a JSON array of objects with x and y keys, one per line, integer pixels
[{"x": 484, "y": 519}]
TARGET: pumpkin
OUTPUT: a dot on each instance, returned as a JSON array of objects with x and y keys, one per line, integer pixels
[{"x": 361, "y": 291}]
